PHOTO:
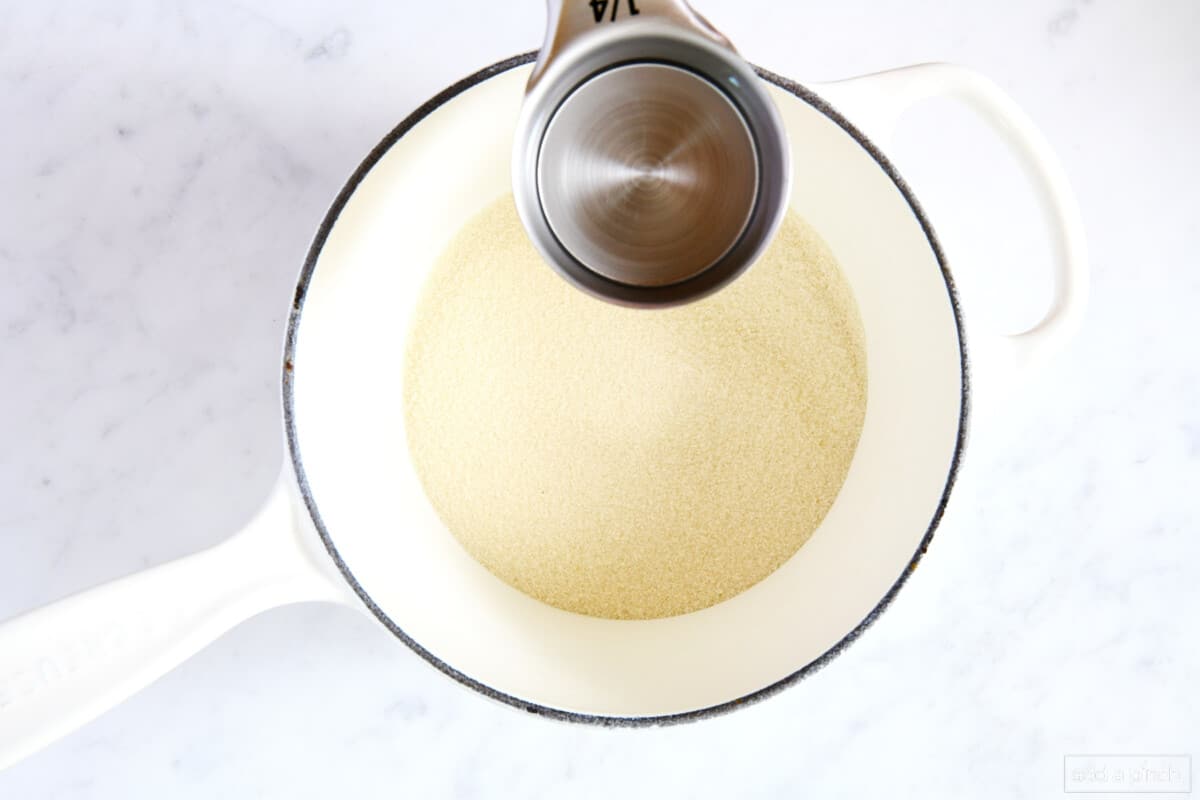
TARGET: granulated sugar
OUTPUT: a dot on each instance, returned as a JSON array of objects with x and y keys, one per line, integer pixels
[{"x": 631, "y": 463}]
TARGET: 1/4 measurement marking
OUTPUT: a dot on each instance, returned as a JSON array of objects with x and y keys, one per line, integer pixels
[{"x": 600, "y": 7}]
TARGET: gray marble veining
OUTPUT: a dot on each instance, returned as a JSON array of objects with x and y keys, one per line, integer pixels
[{"x": 163, "y": 165}]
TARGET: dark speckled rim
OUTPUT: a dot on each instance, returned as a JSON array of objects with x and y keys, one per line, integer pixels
[{"x": 289, "y": 416}]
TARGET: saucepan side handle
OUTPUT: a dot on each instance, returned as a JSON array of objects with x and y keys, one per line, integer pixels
[
  {"x": 876, "y": 102},
  {"x": 68, "y": 662}
]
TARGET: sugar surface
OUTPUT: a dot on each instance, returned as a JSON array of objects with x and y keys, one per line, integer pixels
[{"x": 628, "y": 463}]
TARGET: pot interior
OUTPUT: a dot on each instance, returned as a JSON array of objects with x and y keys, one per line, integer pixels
[{"x": 346, "y": 430}]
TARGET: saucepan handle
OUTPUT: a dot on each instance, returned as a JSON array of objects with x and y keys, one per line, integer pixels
[
  {"x": 68, "y": 662},
  {"x": 875, "y": 103}
]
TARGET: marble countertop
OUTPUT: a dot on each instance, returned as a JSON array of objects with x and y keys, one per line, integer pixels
[{"x": 163, "y": 165}]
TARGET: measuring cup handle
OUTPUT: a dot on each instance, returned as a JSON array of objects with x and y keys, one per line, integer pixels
[
  {"x": 68, "y": 662},
  {"x": 876, "y": 102},
  {"x": 568, "y": 20}
]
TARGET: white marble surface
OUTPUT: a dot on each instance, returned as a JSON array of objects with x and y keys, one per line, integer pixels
[{"x": 162, "y": 167}]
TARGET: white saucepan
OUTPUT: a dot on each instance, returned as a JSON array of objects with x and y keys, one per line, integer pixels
[{"x": 348, "y": 522}]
